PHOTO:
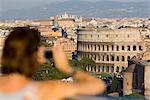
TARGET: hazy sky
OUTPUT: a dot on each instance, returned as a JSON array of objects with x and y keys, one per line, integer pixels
[
  {"x": 13, "y": 4},
  {"x": 6, "y": 6}
]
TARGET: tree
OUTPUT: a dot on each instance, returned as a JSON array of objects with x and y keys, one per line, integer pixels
[
  {"x": 48, "y": 72},
  {"x": 87, "y": 62}
]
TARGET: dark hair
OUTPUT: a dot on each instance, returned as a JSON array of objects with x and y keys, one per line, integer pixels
[{"x": 19, "y": 53}]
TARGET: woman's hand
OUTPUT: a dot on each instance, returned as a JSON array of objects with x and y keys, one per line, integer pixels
[{"x": 60, "y": 60}]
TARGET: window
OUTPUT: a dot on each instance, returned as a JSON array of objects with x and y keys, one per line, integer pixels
[
  {"x": 95, "y": 47},
  {"x": 117, "y": 58},
  {"x": 112, "y": 69},
  {"x": 123, "y": 69},
  {"x": 94, "y": 69},
  {"x": 103, "y": 48},
  {"x": 122, "y": 47},
  {"x": 99, "y": 48},
  {"x": 128, "y": 57},
  {"x": 112, "y": 58},
  {"x": 107, "y": 69},
  {"x": 123, "y": 58},
  {"x": 91, "y": 47},
  {"x": 99, "y": 68},
  {"x": 128, "y": 48},
  {"x": 140, "y": 48},
  {"x": 134, "y": 48},
  {"x": 107, "y": 47},
  {"x": 112, "y": 47},
  {"x": 107, "y": 58},
  {"x": 117, "y": 69},
  {"x": 103, "y": 69},
  {"x": 88, "y": 47},
  {"x": 98, "y": 57},
  {"x": 117, "y": 48},
  {"x": 94, "y": 57},
  {"x": 103, "y": 57}
]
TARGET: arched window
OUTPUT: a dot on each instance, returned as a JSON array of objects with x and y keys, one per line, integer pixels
[
  {"x": 99, "y": 58},
  {"x": 103, "y": 69},
  {"x": 99, "y": 68},
  {"x": 134, "y": 48},
  {"x": 128, "y": 57},
  {"x": 112, "y": 69},
  {"x": 117, "y": 69},
  {"x": 99, "y": 47},
  {"x": 91, "y": 47},
  {"x": 123, "y": 69},
  {"x": 134, "y": 57},
  {"x": 117, "y": 48},
  {"x": 107, "y": 58},
  {"x": 123, "y": 58},
  {"x": 128, "y": 48},
  {"x": 95, "y": 47},
  {"x": 103, "y": 48},
  {"x": 122, "y": 47},
  {"x": 94, "y": 57},
  {"x": 112, "y": 58},
  {"x": 107, "y": 69},
  {"x": 107, "y": 47},
  {"x": 103, "y": 58},
  {"x": 94, "y": 69},
  {"x": 112, "y": 47},
  {"x": 88, "y": 47},
  {"x": 140, "y": 48},
  {"x": 117, "y": 58}
]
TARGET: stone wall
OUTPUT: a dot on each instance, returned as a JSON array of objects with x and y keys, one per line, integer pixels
[{"x": 147, "y": 82}]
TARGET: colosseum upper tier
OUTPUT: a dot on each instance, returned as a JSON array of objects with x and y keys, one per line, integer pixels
[{"x": 110, "y": 48}]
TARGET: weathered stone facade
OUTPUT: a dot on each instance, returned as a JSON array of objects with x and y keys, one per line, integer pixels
[
  {"x": 133, "y": 78},
  {"x": 136, "y": 78},
  {"x": 147, "y": 81},
  {"x": 110, "y": 48}
]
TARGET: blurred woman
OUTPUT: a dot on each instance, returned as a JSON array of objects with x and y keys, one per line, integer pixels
[{"x": 22, "y": 56}]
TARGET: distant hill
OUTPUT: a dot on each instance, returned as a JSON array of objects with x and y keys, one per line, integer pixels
[{"x": 101, "y": 9}]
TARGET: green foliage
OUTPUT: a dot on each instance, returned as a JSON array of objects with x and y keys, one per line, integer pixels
[
  {"x": 86, "y": 62},
  {"x": 113, "y": 86},
  {"x": 139, "y": 96},
  {"x": 48, "y": 72}
]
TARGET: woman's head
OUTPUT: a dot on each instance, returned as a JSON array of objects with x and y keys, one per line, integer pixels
[{"x": 19, "y": 53}]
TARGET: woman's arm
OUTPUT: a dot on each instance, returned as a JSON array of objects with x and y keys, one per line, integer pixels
[{"x": 86, "y": 84}]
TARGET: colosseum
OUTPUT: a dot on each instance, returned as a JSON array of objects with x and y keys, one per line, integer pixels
[{"x": 110, "y": 48}]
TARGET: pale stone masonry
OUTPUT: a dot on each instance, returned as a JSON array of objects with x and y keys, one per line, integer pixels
[
  {"x": 147, "y": 82},
  {"x": 110, "y": 48},
  {"x": 137, "y": 78}
]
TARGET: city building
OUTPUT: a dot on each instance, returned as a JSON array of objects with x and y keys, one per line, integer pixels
[
  {"x": 110, "y": 48},
  {"x": 68, "y": 45},
  {"x": 136, "y": 78}
]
